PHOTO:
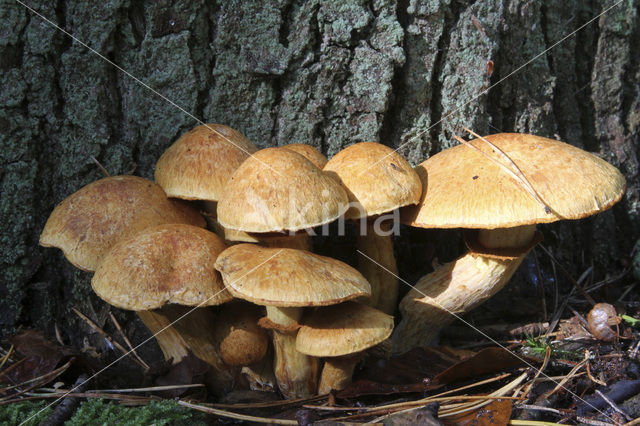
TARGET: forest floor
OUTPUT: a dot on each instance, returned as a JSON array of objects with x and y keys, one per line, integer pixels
[{"x": 581, "y": 366}]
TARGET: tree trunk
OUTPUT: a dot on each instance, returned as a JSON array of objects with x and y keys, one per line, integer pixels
[{"x": 407, "y": 73}]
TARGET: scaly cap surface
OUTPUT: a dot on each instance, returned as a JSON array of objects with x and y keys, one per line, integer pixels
[
  {"x": 343, "y": 329},
  {"x": 86, "y": 224},
  {"x": 279, "y": 190},
  {"x": 198, "y": 165},
  {"x": 308, "y": 152},
  {"x": 464, "y": 189},
  {"x": 376, "y": 177},
  {"x": 287, "y": 277},
  {"x": 171, "y": 263}
]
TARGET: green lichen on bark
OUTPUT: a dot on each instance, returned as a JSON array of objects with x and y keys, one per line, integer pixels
[{"x": 323, "y": 73}]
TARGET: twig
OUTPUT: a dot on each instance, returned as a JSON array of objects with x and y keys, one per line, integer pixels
[
  {"x": 236, "y": 416},
  {"x": 109, "y": 338},
  {"x": 67, "y": 406},
  {"x": 126, "y": 340},
  {"x": 613, "y": 405},
  {"x": 532, "y": 423}
]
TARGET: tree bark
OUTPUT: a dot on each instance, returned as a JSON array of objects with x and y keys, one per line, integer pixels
[{"x": 407, "y": 73}]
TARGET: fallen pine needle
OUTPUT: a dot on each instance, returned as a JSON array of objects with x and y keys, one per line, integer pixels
[
  {"x": 6, "y": 357},
  {"x": 566, "y": 378},
  {"x": 453, "y": 409},
  {"x": 45, "y": 378},
  {"x": 148, "y": 389},
  {"x": 547, "y": 355},
  {"x": 237, "y": 416},
  {"x": 270, "y": 404},
  {"x": 109, "y": 338},
  {"x": 411, "y": 404},
  {"x": 126, "y": 340}
]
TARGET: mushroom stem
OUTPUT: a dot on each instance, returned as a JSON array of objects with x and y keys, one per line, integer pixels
[
  {"x": 458, "y": 287},
  {"x": 518, "y": 236},
  {"x": 378, "y": 265},
  {"x": 170, "y": 341},
  {"x": 210, "y": 207},
  {"x": 337, "y": 372},
  {"x": 194, "y": 332},
  {"x": 299, "y": 241},
  {"x": 296, "y": 373}
]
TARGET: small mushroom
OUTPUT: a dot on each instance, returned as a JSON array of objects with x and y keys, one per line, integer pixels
[
  {"x": 378, "y": 180},
  {"x": 162, "y": 273},
  {"x": 286, "y": 280},
  {"x": 341, "y": 333},
  {"x": 463, "y": 189},
  {"x": 242, "y": 341}
]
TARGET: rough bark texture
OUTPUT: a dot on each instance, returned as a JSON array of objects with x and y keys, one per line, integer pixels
[{"x": 407, "y": 73}]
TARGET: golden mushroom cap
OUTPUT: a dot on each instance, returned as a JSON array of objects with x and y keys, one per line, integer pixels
[
  {"x": 278, "y": 190},
  {"x": 287, "y": 277},
  {"x": 343, "y": 329},
  {"x": 377, "y": 178},
  {"x": 308, "y": 152},
  {"x": 172, "y": 263},
  {"x": 198, "y": 165},
  {"x": 464, "y": 189},
  {"x": 86, "y": 224}
]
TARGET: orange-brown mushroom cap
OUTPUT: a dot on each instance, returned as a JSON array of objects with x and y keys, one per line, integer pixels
[
  {"x": 279, "y": 190},
  {"x": 86, "y": 224},
  {"x": 377, "y": 178},
  {"x": 198, "y": 165},
  {"x": 308, "y": 152},
  {"x": 464, "y": 189},
  {"x": 242, "y": 340},
  {"x": 287, "y": 277},
  {"x": 343, "y": 329},
  {"x": 171, "y": 263}
]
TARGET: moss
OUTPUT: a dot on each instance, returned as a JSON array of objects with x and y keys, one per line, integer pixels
[
  {"x": 98, "y": 412},
  {"x": 16, "y": 413},
  {"x": 94, "y": 412}
]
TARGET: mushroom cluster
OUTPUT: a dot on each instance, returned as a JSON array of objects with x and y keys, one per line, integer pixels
[{"x": 289, "y": 318}]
